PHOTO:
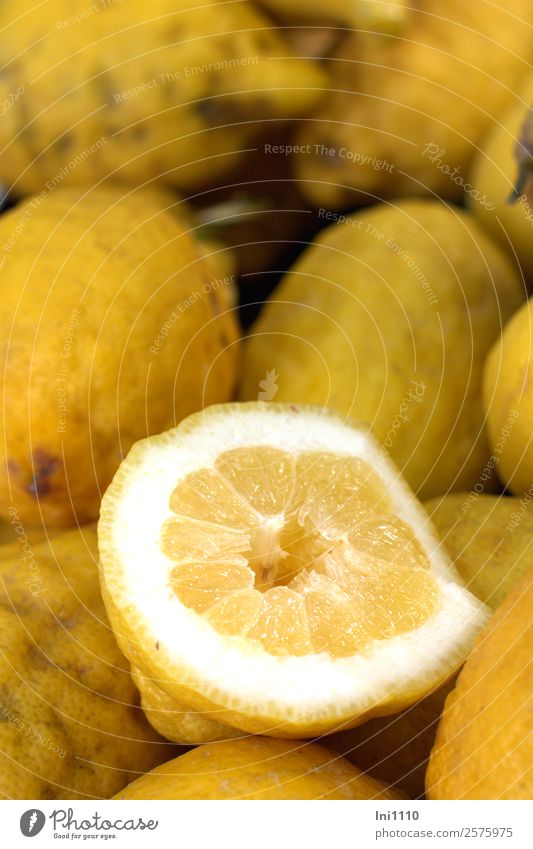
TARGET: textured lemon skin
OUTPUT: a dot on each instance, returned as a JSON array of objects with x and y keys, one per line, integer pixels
[
  {"x": 489, "y": 539},
  {"x": 175, "y": 720},
  {"x": 396, "y": 749},
  {"x": 114, "y": 326},
  {"x": 353, "y": 326},
  {"x": 508, "y": 397},
  {"x": 70, "y": 722},
  {"x": 494, "y": 175},
  {"x": 441, "y": 83},
  {"x": 166, "y": 90},
  {"x": 257, "y": 768},
  {"x": 483, "y": 748}
]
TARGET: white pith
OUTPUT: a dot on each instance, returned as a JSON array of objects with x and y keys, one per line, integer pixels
[{"x": 232, "y": 671}]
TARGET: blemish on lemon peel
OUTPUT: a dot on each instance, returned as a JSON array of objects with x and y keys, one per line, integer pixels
[{"x": 44, "y": 468}]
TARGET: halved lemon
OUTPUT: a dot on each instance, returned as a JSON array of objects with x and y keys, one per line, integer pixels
[{"x": 267, "y": 570}]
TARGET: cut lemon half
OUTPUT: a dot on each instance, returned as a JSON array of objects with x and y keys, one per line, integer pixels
[{"x": 266, "y": 569}]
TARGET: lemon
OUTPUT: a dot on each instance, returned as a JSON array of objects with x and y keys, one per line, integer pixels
[
  {"x": 257, "y": 768},
  {"x": 388, "y": 317},
  {"x": 508, "y": 399},
  {"x": 71, "y": 726},
  {"x": 484, "y": 747},
  {"x": 171, "y": 90},
  {"x": 115, "y": 325},
  {"x": 406, "y": 115},
  {"x": 489, "y": 539},
  {"x": 493, "y": 178},
  {"x": 396, "y": 749},
  {"x": 265, "y": 568}
]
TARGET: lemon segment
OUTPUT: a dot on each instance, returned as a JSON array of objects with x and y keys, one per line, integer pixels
[{"x": 375, "y": 581}]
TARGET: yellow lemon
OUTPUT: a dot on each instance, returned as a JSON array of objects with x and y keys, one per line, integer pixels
[
  {"x": 484, "y": 748},
  {"x": 396, "y": 749},
  {"x": 70, "y": 722},
  {"x": 171, "y": 90},
  {"x": 406, "y": 114},
  {"x": 257, "y": 768},
  {"x": 508, "y": 399},
  {"x": 294, "y": 584},
  {"x": 368, "y": 322},
  {"x": 493, "y": 178},
  {"x": 489, "y": 539},
  {"x": 114, "y": 325}
]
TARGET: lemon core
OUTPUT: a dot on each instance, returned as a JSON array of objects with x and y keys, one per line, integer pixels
[{"x": 300, "y": 553}]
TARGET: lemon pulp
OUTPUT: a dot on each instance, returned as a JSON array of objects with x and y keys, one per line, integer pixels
[{"x": 298, "y": 553}]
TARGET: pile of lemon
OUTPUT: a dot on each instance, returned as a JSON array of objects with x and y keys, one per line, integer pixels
[{"x": 293, "y": 561}]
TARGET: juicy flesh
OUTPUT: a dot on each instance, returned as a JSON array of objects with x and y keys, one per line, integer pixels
[{"x": 300, "y": 554}]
